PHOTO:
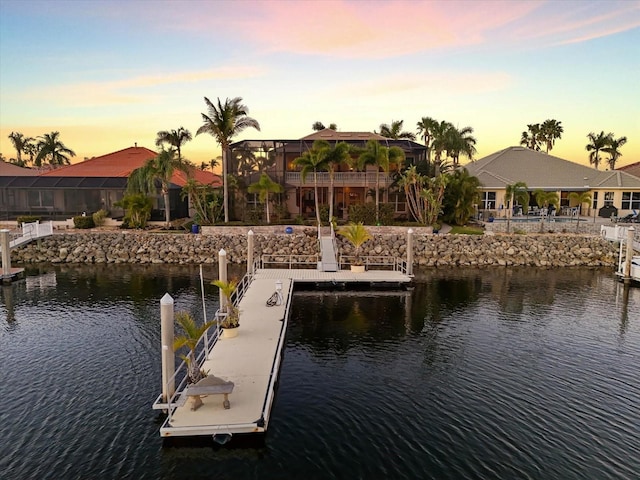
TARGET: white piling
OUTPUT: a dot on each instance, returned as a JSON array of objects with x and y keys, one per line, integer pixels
[
  {"x": 410, "y": 251},
  {"x": 168, "y": 355},
  {"x": 6, "y": 254},
  {"x": 629, "y": 257},
  {"x": 250, "y": 252},
  {"x": 222, "y": 276}
]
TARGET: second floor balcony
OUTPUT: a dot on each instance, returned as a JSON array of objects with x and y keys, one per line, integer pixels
[{"x": 340, "y": 179}]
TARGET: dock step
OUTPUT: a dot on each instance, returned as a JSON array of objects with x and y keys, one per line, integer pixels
[{"x": 329, "y": 262}]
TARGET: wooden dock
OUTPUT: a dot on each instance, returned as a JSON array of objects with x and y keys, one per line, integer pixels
[{"x": 252, "y": 359}]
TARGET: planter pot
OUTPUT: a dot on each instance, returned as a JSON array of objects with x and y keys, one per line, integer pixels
[
  {"x": 357, "y": 268},
  {"x": 230, "y": 332}
]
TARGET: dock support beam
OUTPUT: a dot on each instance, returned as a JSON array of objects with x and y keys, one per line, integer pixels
[
  {"x": 410, "y": 251},
  {"x": 6, "y": 254},
  {"x": 629, "y": 257},
  {"x": 222, "y": 276},
  {"x": 250, "y": 253},
  {"x": 168, "y": 356}
]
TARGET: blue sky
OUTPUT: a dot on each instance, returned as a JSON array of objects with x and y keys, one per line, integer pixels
[{"x": 107, "y": 74}]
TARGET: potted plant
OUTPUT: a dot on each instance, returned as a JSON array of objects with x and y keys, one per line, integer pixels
[
  {"x": 357, "y": 235},
  {"x": 191, "y": 334},
  {"x": 231, "y": 315}
]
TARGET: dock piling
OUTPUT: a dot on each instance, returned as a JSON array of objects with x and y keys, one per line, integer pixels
[
  {"x": 6, "y": 254},
  {"x": 168, "y": 356},
  {"x": 250, "y": 252},
  {"x": 222, "y": 276},
  {"x": 410, "y": 251},
  {"x": 629, "y": 256}
]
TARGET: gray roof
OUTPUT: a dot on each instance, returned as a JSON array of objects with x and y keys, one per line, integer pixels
[
  {"x": 9, "y": 169},
  {"x": 540, "y": 170}
]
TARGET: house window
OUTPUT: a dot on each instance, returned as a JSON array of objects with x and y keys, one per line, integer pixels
[
  {"x": 595, "y": 200},
  {"x": 630, "y": 200},
  {"x": 608, "y": 199},
  {"x": 488, "y": 200},
  {"x": 41, "y": 198}
]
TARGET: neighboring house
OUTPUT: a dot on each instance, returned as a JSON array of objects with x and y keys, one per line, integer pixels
[
  {"x": 88, "y": 186},
  {"x": 633, "y": 169},
  {"x": 350, "y": 186},
  {"x": 546, "y": 172}
]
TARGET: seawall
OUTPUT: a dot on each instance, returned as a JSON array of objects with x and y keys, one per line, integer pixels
[{"x": 543, "y": 250}]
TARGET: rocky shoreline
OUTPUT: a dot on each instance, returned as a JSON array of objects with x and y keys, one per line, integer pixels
[{"x": 540, "y": 250}]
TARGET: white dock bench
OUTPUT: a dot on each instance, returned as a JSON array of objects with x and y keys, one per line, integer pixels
[{"x": 209, "y": 385}]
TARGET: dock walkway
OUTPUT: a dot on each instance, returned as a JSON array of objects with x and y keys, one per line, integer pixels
[{"x": 252, "y": 359}]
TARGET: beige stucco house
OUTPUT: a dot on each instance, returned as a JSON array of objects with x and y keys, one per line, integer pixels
[{"x": 540, "y": 170}]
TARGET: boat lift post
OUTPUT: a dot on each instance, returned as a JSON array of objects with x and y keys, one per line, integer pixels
[
  {"x": 168, "y": 355},
  {"x": 410, "y": 251},
  {"x": 6, "y": 254},
  {"x": 629, "y": 256}
]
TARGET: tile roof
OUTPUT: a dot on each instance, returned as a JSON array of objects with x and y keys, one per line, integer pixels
[
  {"x": 11, "y": 170},
  {"x": 121, "y": 163},
  {"x": 329, "y": 134},
  {"x": 633, "y": 169},
  {"x": 544, "y": 171}
]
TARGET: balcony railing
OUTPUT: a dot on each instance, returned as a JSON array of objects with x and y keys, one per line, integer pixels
[{"x": 350, "y": 179}]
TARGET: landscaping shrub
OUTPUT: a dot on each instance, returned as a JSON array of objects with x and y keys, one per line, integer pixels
[
  {"x": 366, "y": 213},
  {"x": 83, "y": 222},
  {"x": 28, "y": 219},
  {"x": 99, "y": 217}
]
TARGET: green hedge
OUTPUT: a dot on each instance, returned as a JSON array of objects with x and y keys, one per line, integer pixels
[
  {"x": 28, "y": 219},
  {"x": 83, "y": 222}
]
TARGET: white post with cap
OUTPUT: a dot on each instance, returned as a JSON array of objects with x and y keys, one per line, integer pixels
[
  {"x": 410, "y": 251},
  {"x": 168, "y": 355}
]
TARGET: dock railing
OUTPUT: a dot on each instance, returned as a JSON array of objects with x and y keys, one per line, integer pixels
[
  {"x": 380, "y": 262},
  {"x": 289, "y": 261}
]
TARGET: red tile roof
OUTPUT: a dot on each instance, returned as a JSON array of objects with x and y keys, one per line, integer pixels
[
  {"x": 122, "y": 163},
  {"x": 11, "y": 170}
]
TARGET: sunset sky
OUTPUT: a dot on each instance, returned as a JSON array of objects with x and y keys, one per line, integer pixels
[{"x": 110, "y": 73}]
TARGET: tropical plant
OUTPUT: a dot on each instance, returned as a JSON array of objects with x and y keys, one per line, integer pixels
[
  {"x": 597, "y": 143},
  {"x": 137, "y": 208},
  {"x": 441, "y": 141},
  {"x": 532, "y": 138},
  {"x": 192, "y": 332},
  {"x": 357, "y": 235},
  {"x": 205, "y": 200},
  {"x": 175, "y": 138},
  {"x": 550, "y": 131},
  {"x": 314, "y": 160},
  {"x": 460, "y": 142},
  {"x": 579, "y": 198},
  {"x": 158, "y": 169},
  {"x": 264, "y": 187},
  {"x": 381, "y": 157},
  {"x": 317, "y": 126},
  {"x": 49, "y": 145},
  {"x": 20, "y": 143},
  {"x": 545, "y": 198},
  {"x": 424, "y": 195},
  {"x": 461, "y": 197},
  {"x": 223, "y": 122},
  {"x": 517, "y": 192},
  {"x": 612, "y": 149},
  {"x": 426, "y": 127},
  {"x": 231, "y": 313},
  {"x": 395, "y": 130}
]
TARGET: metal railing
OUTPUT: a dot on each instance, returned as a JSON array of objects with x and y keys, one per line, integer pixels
[
  {"x": 340, "y": 178},
  {"x": 381, "y": 262},
  {"x": 289, "y": 261}
]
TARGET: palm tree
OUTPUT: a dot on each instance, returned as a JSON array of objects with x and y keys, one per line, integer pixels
[
  {"x": 50, "y": 145},
  {"x": 223, "y": 122},
  {"x": 317, "y": 126},
  {"x": 263, "y": 188},
  {"x": 580, "y": 198},
  {"x": 227, "y": 288},
  {"x": 461, "y": 142},
  {"x": 20, "y": 143},
  {"x": 158, "y": 169},
  {"x": 175, "y": 138},
  {"x": 551, "y": 130},
  {"x": 381, "y": 157},
  {"x": 313, "y": 160},
  {"x": 612, "y": 149},
  {"x": 533, "y": 137},
  {"x": 460, "y": 197},
  {"x": 31, "y": 149},
  {"x": 334, "y": 157},
  {"x": 190, "y": 337},
  {"x": 516, "y": 192},
  {"x": 597, "y": 142},
  {"x": 544, "y": 199},
  {"x": 426, "y": 127},
  {"x": 395, "y": 130},
  {"x": 357, "y": 235},
  {"x": 441, "y": 136}
]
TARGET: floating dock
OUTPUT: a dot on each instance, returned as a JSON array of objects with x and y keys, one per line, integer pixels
[{"x": 252, "y": 359}]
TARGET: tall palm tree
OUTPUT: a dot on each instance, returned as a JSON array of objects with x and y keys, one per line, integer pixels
[
  {"x": 532, "y": 138},
  {"x": 612, "y": 149},
  {"x": 31, "y": 149},
  {"x": 381, "y": 157},
  {"x": 49, "y": 144},
  {"x": 175, "y": 138},
  {"x": 460, "y": 142},
  {"x": 395, "y": 130},
  {"x": 317, "y": 126},
  {"x": 517, "y": 192},
  {"x": 264, "y": 187},
  {"x": 20, "y": 143},
  {"x": 313, "y": 160},
  {"x": 441, "y": 135},
  {"x": 426, "y": 127},
  {"x": 223, "y": 121},
  {"x": 158, "y": 169},
  {"x": 335, "y": 156},
  {"x": 551, "y": 130},
  {"x": 580, "y": 198},
  {"x": 597, "y": 142}
]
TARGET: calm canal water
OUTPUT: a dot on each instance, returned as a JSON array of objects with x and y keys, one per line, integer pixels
[{"x": 475, "y": 374}]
